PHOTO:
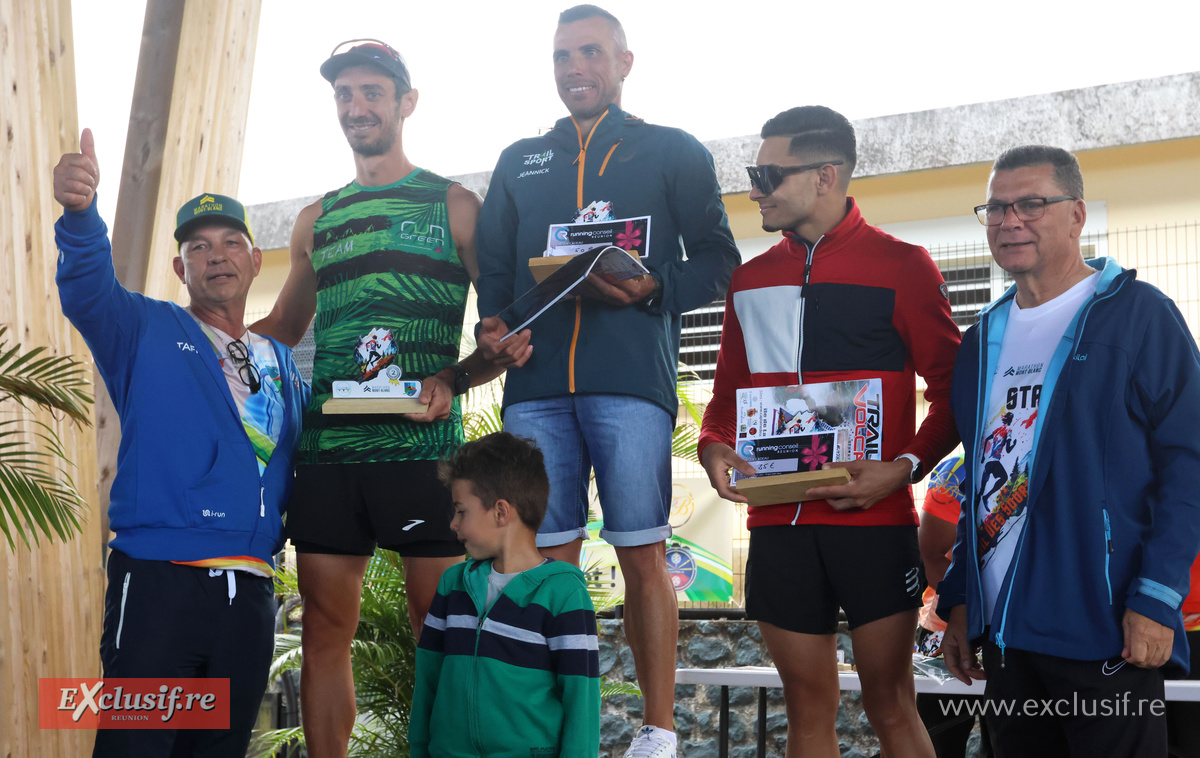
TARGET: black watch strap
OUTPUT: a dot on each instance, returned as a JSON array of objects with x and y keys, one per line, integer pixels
[
  {"x": 655, "y": 297},
  {"x": 462, "y": 379},
  {"x": 918, "y": 468}
]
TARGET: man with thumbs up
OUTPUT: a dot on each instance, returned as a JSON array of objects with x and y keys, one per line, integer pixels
[{"x": 210, "y": 416}]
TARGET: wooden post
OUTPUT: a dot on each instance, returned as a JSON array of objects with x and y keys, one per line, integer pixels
[{"x": 51, "y": 597}]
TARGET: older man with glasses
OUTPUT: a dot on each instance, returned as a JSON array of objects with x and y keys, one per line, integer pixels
[
  {"x": 1078, "y": 391},
  {"x": 836, "y": 300},
  {"x": 210, "y": 418}
]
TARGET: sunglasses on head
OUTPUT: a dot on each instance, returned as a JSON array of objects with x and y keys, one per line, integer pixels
[
  {"x": 377, "y": 48},
  {"x": 766, "y": 179}
]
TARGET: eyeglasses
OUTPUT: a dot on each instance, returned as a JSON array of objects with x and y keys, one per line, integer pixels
[
  {"x": 766, "y": 179},
  {"x": 247, "y": 371},
  {"x": 1027, "y": 209}
]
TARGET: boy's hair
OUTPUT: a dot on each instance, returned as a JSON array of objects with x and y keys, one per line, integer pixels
[
  {"x": 1066, "y": 168},
  {"x": 817, "y": 129},
  {"x": 502, "y": 466}
]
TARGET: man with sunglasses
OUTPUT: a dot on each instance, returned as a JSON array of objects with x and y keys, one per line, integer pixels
[
  {"x": 210, "y": 419},
  {"x": 1072, "y": 573},
  {"x": 599, "y": 390},
  {"x": 385, "y": 264},
  {"x": 835, "y": 300}
]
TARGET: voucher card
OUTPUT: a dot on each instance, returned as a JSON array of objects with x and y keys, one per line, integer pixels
[
  {"x": 783, "y": 430},
  {"x": 630, "y": 234}
]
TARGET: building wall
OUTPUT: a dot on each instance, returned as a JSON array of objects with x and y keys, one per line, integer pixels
[{"x": 1142, "y": 185}]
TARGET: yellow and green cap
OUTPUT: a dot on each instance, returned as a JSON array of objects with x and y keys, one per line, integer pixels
[{"x": 210, "y": 206}]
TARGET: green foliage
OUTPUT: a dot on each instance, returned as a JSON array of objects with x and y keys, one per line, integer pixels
[
  {"x": 480, "y": 422},
  {"x": 37, "y": 494},
  {"x": 382, "y": 656},
  {"x": 685, "y": 438}
]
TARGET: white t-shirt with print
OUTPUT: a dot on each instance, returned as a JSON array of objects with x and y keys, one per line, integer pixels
[{"x": 1006, "y": 448}]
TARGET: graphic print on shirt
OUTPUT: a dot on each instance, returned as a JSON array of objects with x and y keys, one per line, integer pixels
[{"x": 1005, "y": 453}]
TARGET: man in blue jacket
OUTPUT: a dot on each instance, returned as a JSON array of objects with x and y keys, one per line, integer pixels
[
  {"x": 1077, "y": 396},
  {"x": 599, "y": 388},
  {"x": 210, "y": 417}
]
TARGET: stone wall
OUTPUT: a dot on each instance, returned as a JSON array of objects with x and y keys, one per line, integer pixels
[{"x": 714, "y": 644}]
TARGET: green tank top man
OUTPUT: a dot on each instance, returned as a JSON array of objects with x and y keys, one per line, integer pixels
[{"x": 391, "y": 291}]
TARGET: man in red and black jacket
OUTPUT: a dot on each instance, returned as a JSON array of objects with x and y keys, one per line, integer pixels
[{"x": 835, "y": 300}]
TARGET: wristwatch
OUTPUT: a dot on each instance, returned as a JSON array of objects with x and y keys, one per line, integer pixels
[
  {"x": 462, "y": 379},
  {"x": 918, "y": 468},
  {"x": 655, "y": 297}
]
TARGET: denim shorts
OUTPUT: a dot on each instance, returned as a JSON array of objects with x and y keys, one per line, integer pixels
[{"x": 626, "y": 439}]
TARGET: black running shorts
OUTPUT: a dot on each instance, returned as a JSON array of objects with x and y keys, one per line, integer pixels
[
  {"x": 350, "y": 508},
  {"x": 798, "y": 576}
]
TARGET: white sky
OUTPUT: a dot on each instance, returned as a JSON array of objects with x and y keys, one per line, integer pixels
[{"x": 716, "y": 69}]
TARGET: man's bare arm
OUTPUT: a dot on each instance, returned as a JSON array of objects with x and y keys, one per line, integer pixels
[
  {"x": 463, "y": 207},
  {"x": 297, "y": 301},
  {"x": 492, "y": 357}
]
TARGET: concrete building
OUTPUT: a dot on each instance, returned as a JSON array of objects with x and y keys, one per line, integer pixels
[{"x": 919, "y": 174}]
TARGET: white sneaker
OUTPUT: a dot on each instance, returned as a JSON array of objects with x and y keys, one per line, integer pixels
[{"x": 652, "y": 742}]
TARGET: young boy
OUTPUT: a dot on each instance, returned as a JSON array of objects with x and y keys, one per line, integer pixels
[{"x": 508, "y": 663}]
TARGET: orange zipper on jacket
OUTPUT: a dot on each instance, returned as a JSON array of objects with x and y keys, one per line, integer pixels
[{"x": 580, "y": 162}]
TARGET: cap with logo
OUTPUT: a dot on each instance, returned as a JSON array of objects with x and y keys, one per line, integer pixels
[
  {"x": 371, "y": 52},
  {"x": 211, "y": 207}
]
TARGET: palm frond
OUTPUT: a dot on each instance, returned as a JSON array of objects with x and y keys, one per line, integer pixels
[
  {"x": 482, "y": 422},
  {"x": 36, "y": 491},
  {"x": 288, "y": 655},
  {"x": 277, "y": 743},
  {"x": 56, "y": 382},
  {"x": 612, "y": 687},
  {"x": 684, "y": 441}
]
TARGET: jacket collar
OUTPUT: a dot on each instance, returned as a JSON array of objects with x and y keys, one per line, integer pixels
[
  {"x": 850, "y": 224},
  {"x": 1111, "y": 276},
  {"x": 614, "y": 119}
]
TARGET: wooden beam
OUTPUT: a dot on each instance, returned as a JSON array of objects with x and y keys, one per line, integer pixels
[
  {"x": 51, "y": 596},
  {"x": 145, "y": 140}
]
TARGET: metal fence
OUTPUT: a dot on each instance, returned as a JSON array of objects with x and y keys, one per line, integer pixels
[{"x": 1166, "y": 256}]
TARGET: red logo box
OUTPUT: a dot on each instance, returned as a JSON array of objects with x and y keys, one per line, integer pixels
[{"x": 133, "y": 703}]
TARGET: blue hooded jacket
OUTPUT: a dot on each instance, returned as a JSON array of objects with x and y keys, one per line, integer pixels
[
  {"x": 187, "y": 486},
  {"x": 1114, "y": 486}
]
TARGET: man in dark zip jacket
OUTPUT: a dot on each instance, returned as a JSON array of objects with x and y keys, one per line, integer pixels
[
  {"x": 599, "y": 389},
  {"x": 1076, "y": 396},
  {"x": 210, "y": 418}
]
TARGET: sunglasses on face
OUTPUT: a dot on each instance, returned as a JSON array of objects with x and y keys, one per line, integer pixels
[{"x": 766, "y": 179}]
